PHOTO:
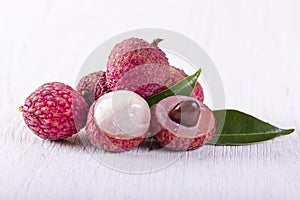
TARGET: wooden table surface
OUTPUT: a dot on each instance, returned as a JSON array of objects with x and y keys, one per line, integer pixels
[{"x": 255, "y": 46}]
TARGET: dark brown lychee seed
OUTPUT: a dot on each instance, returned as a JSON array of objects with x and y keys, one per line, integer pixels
[{"x": 186, "y": 113}]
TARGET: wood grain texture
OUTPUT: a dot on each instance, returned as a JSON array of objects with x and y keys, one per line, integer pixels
[{"x": 255, "y": 46}]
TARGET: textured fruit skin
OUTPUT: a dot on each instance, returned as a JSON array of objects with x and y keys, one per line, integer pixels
[
  {"x": 150, "y": 79},
  {"x": 131, "y": 53},
  {"x": 104, "y": 141},
  {"x": 92, "y": 86},
  {"x": 197, "y": 91},
  {"x": 55, "y": 111},
  {"x": 171, "y": 141}
]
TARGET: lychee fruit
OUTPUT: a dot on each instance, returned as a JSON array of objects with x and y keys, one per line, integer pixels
[
  {"x": 118, "y": 121},
  {"x": 197, "y": 91},
  {"x": 150, "y": 79},
  {"x": 182, "y": 123},
  {"x": 54, "y": 111},
  {"x": 92, "y": 86},
  {"x": 129, "y": 54}
]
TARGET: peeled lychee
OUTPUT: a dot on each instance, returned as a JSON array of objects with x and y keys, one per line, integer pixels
[
  {"x": 182, "y": 123},
  {"x": 129, "y": 54},
  {"x": 55, "y": 111},
  {"x": 150, "y": 79},
  {"x": 118, "y": 121},
  {"x": 92, "y": 86}
]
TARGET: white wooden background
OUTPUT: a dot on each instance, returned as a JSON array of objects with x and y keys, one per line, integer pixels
[{"x": 255, "y": 46}]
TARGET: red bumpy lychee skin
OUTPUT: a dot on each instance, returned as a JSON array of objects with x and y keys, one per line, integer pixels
[
  {"x": 92, "y": 86},
  {"x": 108, "y": 121},
  {"x": 176, "y": 136},
  {"x": 150, "y": 79},
  {"x": 55, "y": 111},
  {"x": 129, "y": 54},
  {"x": 197, "y": 91}
]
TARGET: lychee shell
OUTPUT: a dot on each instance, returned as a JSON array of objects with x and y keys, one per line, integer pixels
[
  {"x": 55, "y": 111},
  {"x": 150, "y": 79},
  {"x": 197, "y": 91},
  {"x": 131, "y": 53},
  {"x": 92, "y": 86}
]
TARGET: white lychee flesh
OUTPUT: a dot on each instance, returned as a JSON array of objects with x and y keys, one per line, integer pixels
[
  {"x": 118, "y": 121},
  {"x": 122, "y": 113}
]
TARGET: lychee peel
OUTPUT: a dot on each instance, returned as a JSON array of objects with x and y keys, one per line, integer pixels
[
  {"x": 92, "y": 86},
  {"x": 118, "y": 121},
  {"x": 55, "y": 111},
  {"x": 131, "y": 53},
  {"x": 150, "y": 79},
  {"x": 176, "y": 136},
  {"x": 197, "y": 91}
]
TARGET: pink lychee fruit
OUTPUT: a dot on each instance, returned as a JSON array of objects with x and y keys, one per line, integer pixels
[
  {"x": 182, "y": 123},
  {"x": 118, "y": 121},
  {"x": 150, "y": 79},
  {"x": 197, "y": 91},
  {"x": 129, "y": 54},
  {"x": 54, "y": 111},
  {"x": 92, "y": 86}
]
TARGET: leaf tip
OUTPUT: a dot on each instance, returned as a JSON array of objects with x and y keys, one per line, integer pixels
[
  {"x": 288, "y": 131},
  {"x": 198, "y": 72}
]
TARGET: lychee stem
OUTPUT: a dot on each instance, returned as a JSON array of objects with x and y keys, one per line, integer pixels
[
  {"x": 21, "y": 108},
  {"x": 156, "y": 41},
  {"x": 83, "y": 93}
]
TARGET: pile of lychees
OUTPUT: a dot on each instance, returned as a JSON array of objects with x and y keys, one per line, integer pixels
[{"x": 112, "y": 106}]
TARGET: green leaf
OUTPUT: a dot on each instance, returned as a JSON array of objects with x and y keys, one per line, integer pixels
[
  {"x": 233, "y": 127},
  {"x": 183, "y": 87},
  {"x": 238, "y": 128}
]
